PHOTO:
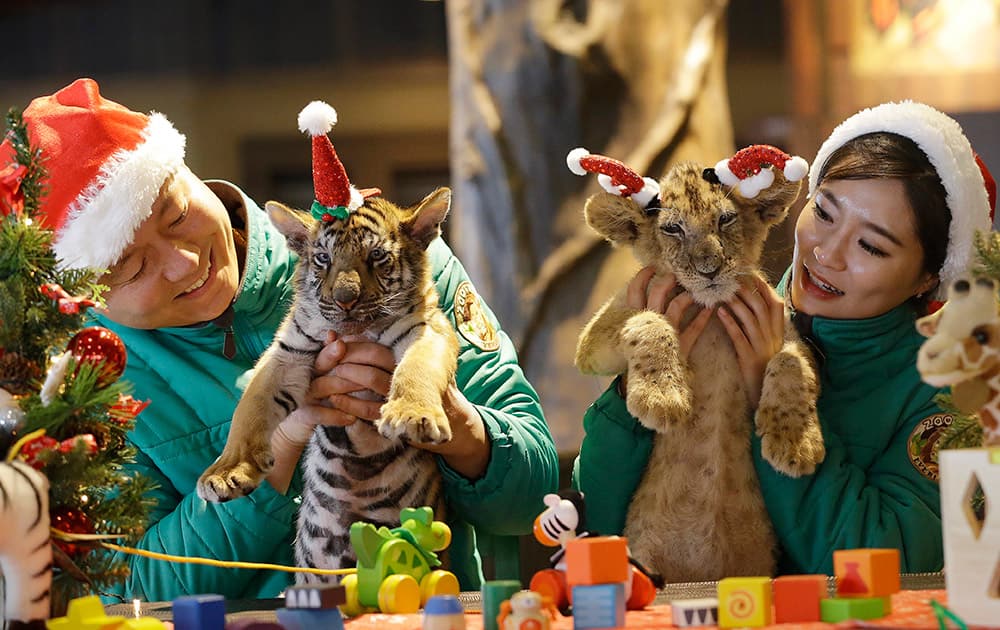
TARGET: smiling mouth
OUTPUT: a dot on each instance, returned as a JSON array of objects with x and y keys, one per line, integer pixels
[
  {"x": 199, "y": 282},
  {"x": 815, "y": 281}
]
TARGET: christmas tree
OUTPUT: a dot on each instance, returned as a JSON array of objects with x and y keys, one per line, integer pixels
[{"x": 62, "y": 408}]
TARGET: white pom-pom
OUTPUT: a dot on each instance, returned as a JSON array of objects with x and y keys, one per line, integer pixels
[
  {"x": 725, "y": 175},
  {"x": 751, "y": 186},
  {"x": 649, "y": 190},
  {"x": 573, "y": 160},
  {"x": 795, "y": 169},
  {"x": 317, "y": 118}
]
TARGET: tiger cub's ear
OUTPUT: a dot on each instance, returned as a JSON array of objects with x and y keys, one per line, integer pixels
[
  {"x": 296, "y": 225},
  {"x": 424, "y": 221}
]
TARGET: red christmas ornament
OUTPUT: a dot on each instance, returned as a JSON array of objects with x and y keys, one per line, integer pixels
[
  {"x": 11, "y": 195},
  {"x": 71, "y": 521},
  {"x": 32, "y": 449},
  {"x": 126, "y": 409},
  {"x": 98, "y": 346}
]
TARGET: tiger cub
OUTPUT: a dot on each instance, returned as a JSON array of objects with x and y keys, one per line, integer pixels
[
  {"x": 25, "y": 549},
  {"x": 369, "y": 275}
]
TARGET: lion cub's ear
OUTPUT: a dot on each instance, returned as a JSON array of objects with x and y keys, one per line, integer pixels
[
  {"x": 616, "y": 218},
  {"x": 772, "y": 203}
]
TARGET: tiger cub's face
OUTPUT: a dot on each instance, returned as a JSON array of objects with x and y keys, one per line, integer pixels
[
  {"x": 703, "y": 232},
  {"x": 365, "y": 271}
]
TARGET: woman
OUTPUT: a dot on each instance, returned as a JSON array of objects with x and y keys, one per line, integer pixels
[{"x": 869, "y": 254}]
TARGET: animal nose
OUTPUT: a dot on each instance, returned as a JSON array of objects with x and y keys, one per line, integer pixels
[{"x": 346, "y": 304}]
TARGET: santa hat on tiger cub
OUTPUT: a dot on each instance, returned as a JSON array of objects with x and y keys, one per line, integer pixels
[
  {"x": 970, "y": 189},
  {"x": 106, "y": 165}
]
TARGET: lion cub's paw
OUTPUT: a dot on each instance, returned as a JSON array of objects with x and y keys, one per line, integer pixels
[
  {"x": 234, "y": 476},
  {"x": 414, "y": 421},
  {"x": 794, "y": 452},
  {"x": 654, "y": 406}
]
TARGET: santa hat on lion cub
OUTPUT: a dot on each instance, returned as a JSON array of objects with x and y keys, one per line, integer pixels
[{"x": 106, "y": 165}]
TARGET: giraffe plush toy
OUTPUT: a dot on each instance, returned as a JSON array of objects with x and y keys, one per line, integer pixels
[{"x": 963, "y": 351}]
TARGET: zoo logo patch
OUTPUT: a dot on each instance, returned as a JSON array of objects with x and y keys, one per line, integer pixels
[
  {"x": 924, "y": 443},
  {"x": 471, "y": 319}
]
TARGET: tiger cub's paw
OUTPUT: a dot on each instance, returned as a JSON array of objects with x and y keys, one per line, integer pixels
[
  {"x": 414, "y": 421},
  {"x": 233, "y": 476}
]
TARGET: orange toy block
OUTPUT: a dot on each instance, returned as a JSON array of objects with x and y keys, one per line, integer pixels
[
  {"x": 796, "y": 597},
  {"x": 597, "y": 560},
  {"x": 866, "y": 572}
]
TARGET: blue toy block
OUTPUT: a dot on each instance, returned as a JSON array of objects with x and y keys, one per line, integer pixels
[
  {"x": 199, "y": 612},
  {"x": 598, "y": 606},
  {"x": 310, "y": 618}
]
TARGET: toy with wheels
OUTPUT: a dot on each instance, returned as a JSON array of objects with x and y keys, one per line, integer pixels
[{"x": 397, "y": 567}]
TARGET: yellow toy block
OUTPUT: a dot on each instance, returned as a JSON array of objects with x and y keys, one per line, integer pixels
[
  {"x": 744, "y": 602},
  {"x": 866, "y": 572},
  {"x": 85, "y": 613}
]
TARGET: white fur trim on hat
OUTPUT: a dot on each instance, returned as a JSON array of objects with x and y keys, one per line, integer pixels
[
  {"x": 951, "y": 155},
  {"x": 113, "y": 206},
  {"x": 317, "y": 118}
]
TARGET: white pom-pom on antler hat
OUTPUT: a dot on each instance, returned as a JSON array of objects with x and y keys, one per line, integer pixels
[
  {"x": 613, "y": 175},
  {"x": 969, "y": 187},
  {"x": 749, "y": 169}
]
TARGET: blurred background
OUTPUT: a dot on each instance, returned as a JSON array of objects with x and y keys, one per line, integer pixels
[{"x": 488, "y": 96}]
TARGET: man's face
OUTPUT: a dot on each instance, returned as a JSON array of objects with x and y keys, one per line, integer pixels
[{"x": 181, "y": 267}]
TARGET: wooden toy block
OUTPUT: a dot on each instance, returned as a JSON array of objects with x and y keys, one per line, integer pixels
[
  {"x": 443, "y": 612},
  {"x": 85, "y": 613},
  {"x": 695, "y": 612},
  {"x": 969, "y": 479},
  {"x": 744, "y": 602},
  {"x": 597, "y": 560},
  {"x": 599, "y": 606},
  {"x": 199, "y": 612},
  {"x": 866, "y": 572},
  {"x": 143, "y": 623},
  {"x": 837, "y": 609},
  {"x": 308, "y": 619},
  {"x": 318, "y": 596},
  {"x": 495, "y": 593},
  {"x": 796, "y": 597}
]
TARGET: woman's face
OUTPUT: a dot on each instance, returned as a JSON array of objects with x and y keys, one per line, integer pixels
[
  {"x": 857, "y": 254},
  {"x": 181, "y": 268}
]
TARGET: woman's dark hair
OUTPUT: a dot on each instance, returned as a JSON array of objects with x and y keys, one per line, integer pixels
[{"x": 884, "y": 155}]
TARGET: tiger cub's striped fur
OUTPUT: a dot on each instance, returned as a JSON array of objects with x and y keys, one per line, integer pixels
[
  {"x": 25, "y": 550},
  {"x": 365, "y": 275}
]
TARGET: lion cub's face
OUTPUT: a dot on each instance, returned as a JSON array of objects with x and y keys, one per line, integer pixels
[{"x": 704, "y": 233}]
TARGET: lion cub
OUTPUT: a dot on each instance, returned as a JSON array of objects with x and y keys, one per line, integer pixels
[{"x": 698, "y": 513}]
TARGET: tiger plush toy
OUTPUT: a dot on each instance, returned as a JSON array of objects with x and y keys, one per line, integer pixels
[{"x": 363, "y": 270}]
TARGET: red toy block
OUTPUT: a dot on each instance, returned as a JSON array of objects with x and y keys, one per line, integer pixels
[
  {"x": 866, "y": 572},
  {"x": 796, "y": 597},
  {"x": 597, "y": 560}
]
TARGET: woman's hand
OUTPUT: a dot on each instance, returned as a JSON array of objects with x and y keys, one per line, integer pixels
[
  {"x": 355, "y": 375},
  {"x": 647, "y": 291},
  {"x": 754, "y": 318}
]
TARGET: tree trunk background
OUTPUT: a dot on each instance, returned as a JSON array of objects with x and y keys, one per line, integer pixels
[{"x": 639, "y": 80}]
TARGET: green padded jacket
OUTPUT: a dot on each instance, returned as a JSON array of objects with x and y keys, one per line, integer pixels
[
  {"x": 877, "y": 486},
  {"x": 194, "y": 389}
]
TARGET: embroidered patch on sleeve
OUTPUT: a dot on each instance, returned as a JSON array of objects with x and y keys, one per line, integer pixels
[
  {"x": 471, "y": 319},
  {"x": 924, "y": 443}
]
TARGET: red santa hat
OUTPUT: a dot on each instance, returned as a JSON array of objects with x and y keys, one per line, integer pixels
[
  {"x": 969, "y": 187},
  {"x": 614, "y": 176},
  {"x": 751, "y": 169},
  {"x": 336, "y": 197},
  {"x": 106, "y": 165}
]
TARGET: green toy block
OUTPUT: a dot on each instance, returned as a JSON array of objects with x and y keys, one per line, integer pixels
[{"x": 837, "y": 609}]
